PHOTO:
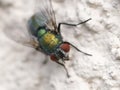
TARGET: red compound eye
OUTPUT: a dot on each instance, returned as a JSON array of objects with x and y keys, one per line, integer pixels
[
  {"x": 65, "y": 47},
  {"x": 53, "y": 57}
]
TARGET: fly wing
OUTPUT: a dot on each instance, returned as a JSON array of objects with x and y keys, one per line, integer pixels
[
  {"x": 44, "y": 14},
  {"x": 18, "y": 32}
]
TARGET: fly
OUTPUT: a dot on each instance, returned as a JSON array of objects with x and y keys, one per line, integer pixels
[{"x": 44, "y": 34}]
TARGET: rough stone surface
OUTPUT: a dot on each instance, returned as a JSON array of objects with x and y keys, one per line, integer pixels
[{"x": 22, "y": 68}]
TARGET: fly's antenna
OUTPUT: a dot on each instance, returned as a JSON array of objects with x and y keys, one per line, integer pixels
[{"x": 78, "y": 49}]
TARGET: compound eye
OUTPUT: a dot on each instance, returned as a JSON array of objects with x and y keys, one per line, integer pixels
[
  {"x": 65, "y": 47},
  {"x": 53, "y": 57}
]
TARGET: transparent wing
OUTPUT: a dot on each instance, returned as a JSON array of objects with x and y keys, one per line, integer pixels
[
  {"x": 44, "y": 14},
  {"x": 18, "y": 32}
]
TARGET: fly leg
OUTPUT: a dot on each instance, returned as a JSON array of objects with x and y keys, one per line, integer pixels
[
  {"x": 59, "y": 25},
  {"x": 78, "y": 49},
  {"x": 37, "y": 48},
  {"x": 45, "y": 61},
  {"x": 64, "y": 68}
]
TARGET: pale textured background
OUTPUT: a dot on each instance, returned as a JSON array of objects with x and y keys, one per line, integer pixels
[{"x": 22, "y": 68}]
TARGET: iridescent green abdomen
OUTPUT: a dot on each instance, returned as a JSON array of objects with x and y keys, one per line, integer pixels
[
  {"x": 48, "y": 41},
  {"x": 35, "y": 24}
]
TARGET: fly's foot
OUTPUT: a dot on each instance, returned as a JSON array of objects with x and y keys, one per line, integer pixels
[{"x": 45, "y": 61}]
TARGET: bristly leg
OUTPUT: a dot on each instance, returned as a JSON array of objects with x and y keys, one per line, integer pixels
[
  {"x": 64, "y": 68},
  {"x": 59, "y": 25},
  {"x": 78, "y": 49}
]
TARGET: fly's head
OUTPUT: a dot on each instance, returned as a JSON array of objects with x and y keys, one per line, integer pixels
[{"x": 61, "y": 52}]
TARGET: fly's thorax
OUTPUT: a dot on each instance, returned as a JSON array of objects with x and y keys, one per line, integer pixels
[{"x": 48, "y": 41}]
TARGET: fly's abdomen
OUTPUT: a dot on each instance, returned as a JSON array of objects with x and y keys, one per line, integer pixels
[
  {"x": 49, "y": 42},
  {"x": 34, "y": 24}
]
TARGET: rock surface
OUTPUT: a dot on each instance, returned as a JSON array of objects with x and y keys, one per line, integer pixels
[{"x": 22, "y": 68}]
